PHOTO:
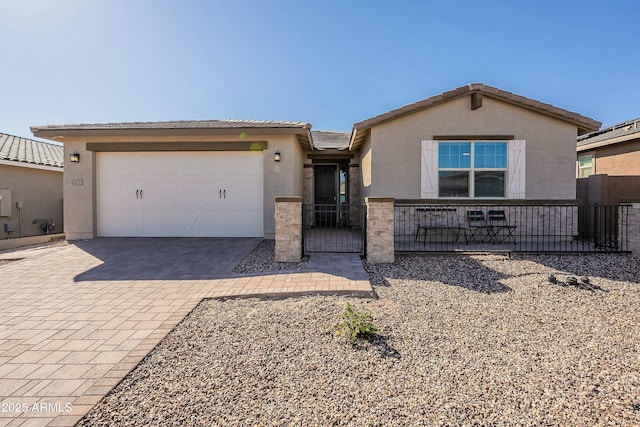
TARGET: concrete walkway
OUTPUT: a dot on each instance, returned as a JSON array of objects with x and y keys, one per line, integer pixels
[{"x": 76, "y": 318}]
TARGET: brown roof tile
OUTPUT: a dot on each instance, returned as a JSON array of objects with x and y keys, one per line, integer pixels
[
  {"x": 179, "y": 124},
  {"x": 584, "y": 124}
]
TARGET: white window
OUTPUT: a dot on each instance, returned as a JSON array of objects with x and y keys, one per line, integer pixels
[
  {"x": 585, "y": 166},
  {"x": 473, "y": 169}
]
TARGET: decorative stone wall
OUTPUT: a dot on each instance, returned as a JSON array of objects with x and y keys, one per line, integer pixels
[
  {"x": 634, "y": 229},
  {"x": 288, "y": 229},
  {"x": 380, "y": 226}
]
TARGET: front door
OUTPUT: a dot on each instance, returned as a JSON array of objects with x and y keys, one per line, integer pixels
[{"x": 326, "y": 194}]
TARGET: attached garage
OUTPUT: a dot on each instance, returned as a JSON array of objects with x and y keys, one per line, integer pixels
[
  {"x": 209, "y": 178},
  {"x": 180, "y": 194}
]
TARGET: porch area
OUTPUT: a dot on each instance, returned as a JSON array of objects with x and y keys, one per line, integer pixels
[
  {"x": 510, "y": 227},
  {"x": 334, "y": 228},
  {"x": 385, "y": 226}
]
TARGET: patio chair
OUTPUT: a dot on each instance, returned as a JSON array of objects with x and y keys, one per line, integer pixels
[
  {"x": 500, "y": 226},
  {"x": 475, "y": 222}
]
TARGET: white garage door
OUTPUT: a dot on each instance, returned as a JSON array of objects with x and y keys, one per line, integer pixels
[{"x": 180, "y": 194}]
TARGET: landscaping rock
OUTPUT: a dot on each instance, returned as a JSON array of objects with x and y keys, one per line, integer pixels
[{"x": 464, "y": 340}]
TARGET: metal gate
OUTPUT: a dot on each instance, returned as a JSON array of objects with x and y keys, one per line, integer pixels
[{"x": 334, "y": 228}]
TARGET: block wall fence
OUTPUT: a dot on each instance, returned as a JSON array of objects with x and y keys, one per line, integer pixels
[
  {"x": 382, "y": 222},
  {"x": 634, "y": 229}
]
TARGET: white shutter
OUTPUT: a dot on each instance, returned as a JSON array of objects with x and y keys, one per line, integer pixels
[
  {"x": 429, "y": 170},
  {"x": 516, "y": 172}
]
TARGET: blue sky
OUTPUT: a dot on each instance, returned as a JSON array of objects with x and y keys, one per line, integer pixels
[{"x": 330, "y": 63}]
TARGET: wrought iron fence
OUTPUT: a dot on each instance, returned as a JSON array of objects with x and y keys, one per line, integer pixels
[
  {"x": 509, "y": 227},
  {"x": 334, "y": 228}
]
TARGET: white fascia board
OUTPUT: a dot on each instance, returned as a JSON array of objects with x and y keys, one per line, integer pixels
[{"x": 30, "y": 165}]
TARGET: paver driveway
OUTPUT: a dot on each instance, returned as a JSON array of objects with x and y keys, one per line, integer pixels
[{"x": 76, "y": 318}]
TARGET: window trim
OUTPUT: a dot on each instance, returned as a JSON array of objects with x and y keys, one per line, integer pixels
[
  {"x": 592, "y": 167},
  {"x": 472, "y": 170},
  {"x": 516, "y": 175}
]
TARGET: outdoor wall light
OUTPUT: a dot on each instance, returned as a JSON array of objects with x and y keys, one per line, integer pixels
[
  {"x": 75, "y": 157},
  {"x": 276, "y": 156}
]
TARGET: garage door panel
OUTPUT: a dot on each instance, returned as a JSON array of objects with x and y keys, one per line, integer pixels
[
  {"x": 121, "y": 223},
  {"x": 111, "y": 195},
  {"x": 192, "y": 223},
  {"x": 116, "y": 167},
  {"x": 212, "y": 222},
  {"x": 234, "y": 166},
  {"x": 254, "y": 202},
  {"x": 107, "y": 224},
  {"x": 184, "y": 166},
  {"x": 170, "y": 168},
  {"x": 241, "y": 223},
  {"x": 212, "y": 166},
  {"x": 212, "y": 196},
  {"x": 240, "y": 194},
  {"x": 151, "y": 195},
  {"x": 253, "y": 223},
  {"x": 163, "y": 195},
  {"x": 203, "y": 194},
  {"x": 193, "y": 195},
  {"x": 149, "y": 167},
  {"x": 172, "y": 195},
  {"x": 119, "y": 195},
  {"x": 164, "y": 223}
]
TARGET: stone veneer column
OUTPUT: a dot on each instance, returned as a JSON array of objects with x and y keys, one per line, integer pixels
[
  {"x": 288, "y": 229},
  {"x": 380, "y": 248},
  {"x": 634, "y": 229}
]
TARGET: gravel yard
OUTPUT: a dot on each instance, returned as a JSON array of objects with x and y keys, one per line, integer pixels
[
  {"x": 263, "y": 259},
  {"x": 463, "y": 340}
]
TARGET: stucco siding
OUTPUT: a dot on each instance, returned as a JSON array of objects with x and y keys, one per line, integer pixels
[
  {"x": 283, "y": 178},
  {"x": 79, "y": 191},
  {"x": 550, "y": 146},
  {"x": 365, "y": 170},
  {"x": 617, "y": 159},
  {"x": 40, "y": 191}
]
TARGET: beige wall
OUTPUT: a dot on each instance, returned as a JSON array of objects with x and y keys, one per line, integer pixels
[
  {"x": 41, "y": 193},
  {"x": 365, "y": 169},
  {"x": 394, "y": 154},
  {"x": 282, "y": 178},
  {"x": 617, "y": 159}
]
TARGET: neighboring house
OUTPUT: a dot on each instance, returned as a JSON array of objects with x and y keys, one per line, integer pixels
[
  {"x": 31, "y": 175},
  {"x": 220, "y": 177},
  {"x": 611, "y": 151},
  {"x": 610, "y": 159}
]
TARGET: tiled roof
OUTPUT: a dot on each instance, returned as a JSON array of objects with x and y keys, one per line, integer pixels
[
  {"x": 302, "y": 131},
  {"x": 25, "y": 150},
  {"x": 584, "y": 124},
  {"x": 180, "y": 124},
  {"x": 323, "y": 140},
  {"x": 617, "y": 133}
]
